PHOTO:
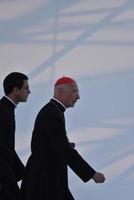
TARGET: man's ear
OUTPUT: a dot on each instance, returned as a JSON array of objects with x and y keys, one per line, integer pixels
[
  {"x": 60, "y": 90},
  {"x": 15, "y": 90}
]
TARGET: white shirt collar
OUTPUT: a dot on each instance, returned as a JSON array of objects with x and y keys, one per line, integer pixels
[
  {"x": 59, "y": 102},
  {"x": 11, "y": 100}
]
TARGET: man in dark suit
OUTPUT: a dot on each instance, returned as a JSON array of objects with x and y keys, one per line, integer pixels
[
  {"x": 16, "y": 90},
  {"x": 46, "y": 170}
]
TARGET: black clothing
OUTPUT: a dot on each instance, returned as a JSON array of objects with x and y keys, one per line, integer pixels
[
  {"x": 46, "y": 175},
  {"x": 11, "y": 168}
]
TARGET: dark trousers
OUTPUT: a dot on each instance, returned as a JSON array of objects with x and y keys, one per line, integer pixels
[
  {"x": 9, "y": 190},
  {"x": 3, "y": 196}
]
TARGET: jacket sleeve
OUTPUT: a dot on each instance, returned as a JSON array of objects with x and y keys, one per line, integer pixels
[
  {"x": 2, "y": 131},
  {"x": 18, "y": 167},
  {"x": 56, "y": 135}
]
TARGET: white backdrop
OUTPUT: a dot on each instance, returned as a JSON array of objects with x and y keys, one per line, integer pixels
[{"x": 91, "y": 41}]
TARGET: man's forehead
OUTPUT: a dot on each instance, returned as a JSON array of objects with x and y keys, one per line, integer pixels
[
  {"x": 25, "y": 82},
  {"x": 72, "y": 85}
]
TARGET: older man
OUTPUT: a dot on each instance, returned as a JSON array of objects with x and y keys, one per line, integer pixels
[{"x": 46, "y": 170}]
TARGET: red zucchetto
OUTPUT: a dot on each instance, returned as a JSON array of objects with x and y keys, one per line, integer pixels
[{"x": 64, "y": 80}]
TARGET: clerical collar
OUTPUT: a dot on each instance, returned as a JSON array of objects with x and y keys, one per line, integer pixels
[
  {"x": 59, "y": 102},
  {"x": 11, "y": 101}
]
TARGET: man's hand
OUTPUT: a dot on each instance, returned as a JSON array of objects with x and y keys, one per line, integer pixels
[{"x": 98, "y": 177}]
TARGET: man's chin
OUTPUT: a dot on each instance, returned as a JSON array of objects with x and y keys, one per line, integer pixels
[
  {"x": 24, "y": 100},
  {"x": 73, "y": 104}
]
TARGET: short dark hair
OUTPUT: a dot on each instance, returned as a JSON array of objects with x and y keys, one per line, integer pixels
[{"x": 14, "y": 79}]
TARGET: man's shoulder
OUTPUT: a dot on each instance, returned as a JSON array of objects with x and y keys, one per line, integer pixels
[
  {"x": 47, "y": 109},
  {"x": 2, "y": 104},
  {"x": 5, "y": 107}
]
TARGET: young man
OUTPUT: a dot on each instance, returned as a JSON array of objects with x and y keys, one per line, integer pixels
[
  {"x": 46, "y": 170},
  {"x": 16, "y": 90}
]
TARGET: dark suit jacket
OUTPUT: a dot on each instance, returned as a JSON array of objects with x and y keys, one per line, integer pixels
[
  {"x": 46, "y": 170},
  {"x": 11, "y": 168}
]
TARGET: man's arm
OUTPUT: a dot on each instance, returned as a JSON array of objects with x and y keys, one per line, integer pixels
[
  {"x": 2, "y": 131},
  {"x": 18, "y": 167},
  {"x": 57, "y": 136}
]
